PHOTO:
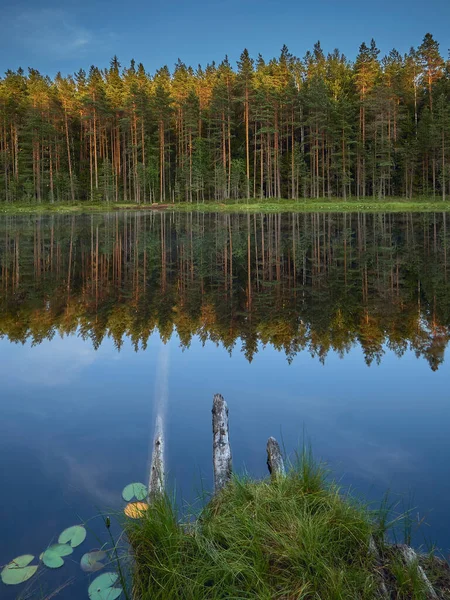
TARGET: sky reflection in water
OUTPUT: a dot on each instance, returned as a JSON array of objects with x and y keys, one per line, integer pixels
[{"x": 77, "y": 421}]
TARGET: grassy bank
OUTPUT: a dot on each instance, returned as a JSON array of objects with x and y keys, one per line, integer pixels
[
  {"x": 246, "y": 206},
  {"x": 298, "y": 537}
]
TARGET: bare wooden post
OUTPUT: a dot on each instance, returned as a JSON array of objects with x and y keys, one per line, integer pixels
[
  {"x": 221, "y": 443},
  {"x": 411, "y": 558},
  {"x": 157, "y": 476},
  {"x": 379, "y": 564},
  {"x": 275, "y": 461}
]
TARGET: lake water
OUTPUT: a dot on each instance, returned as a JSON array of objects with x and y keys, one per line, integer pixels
[{"x": 332, "y": 327}]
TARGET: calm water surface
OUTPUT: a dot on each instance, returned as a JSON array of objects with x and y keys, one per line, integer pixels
[{"x": 333, "y": 325}]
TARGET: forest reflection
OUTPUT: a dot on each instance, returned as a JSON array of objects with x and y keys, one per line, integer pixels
[{"x": 314, "y": 282}]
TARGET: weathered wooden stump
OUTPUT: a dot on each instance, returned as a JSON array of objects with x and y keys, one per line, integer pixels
[
  {"x": 221, "y": 443},
  {"x": 380, "y": 568},
  {"x": 157, "y": 475},
  {"x": 275, "y": 461}
]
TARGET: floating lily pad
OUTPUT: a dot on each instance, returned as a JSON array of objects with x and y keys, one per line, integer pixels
[
  {"x": 18, "y": 570},
  {"x": 52, "y": 557},
  {"x": 134, "y": 490},
  {"x": 102, "y": 588},
  {"x": 91, "y": 561},
  {"x": 74, "y": 536},
  {"x": 136, "y": 510}
]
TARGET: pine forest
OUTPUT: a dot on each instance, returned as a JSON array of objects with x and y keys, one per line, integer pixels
[{"x": 318, "y": 127}]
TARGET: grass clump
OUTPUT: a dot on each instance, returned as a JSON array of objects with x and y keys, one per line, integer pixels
[{"x": 297, "y": 537}]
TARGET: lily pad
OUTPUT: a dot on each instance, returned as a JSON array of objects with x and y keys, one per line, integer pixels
[
  {"x": 136, "y": 510},
  {"x": 18, "y": 570},
  {"x": 52, "y": 557},
  {"x": 91, "y": 561},
  {"x": 134, "y": 490},
  {"x": 102, "y": 588},
  {"x": 74, "y": 536}
]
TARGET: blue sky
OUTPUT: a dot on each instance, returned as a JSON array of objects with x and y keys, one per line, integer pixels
[{"x": 65, "y": 36}]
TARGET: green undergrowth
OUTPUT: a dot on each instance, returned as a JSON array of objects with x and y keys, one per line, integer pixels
[
  {"x": 319, "y": 205},
  {"x": 246, "y": 206},
  {"x": 299, "y": 537}
]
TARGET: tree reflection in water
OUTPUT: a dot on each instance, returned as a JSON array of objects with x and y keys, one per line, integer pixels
[{"x": 314, "y": 282}]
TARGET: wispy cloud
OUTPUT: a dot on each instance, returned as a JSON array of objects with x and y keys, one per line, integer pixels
[
  {"x": 90, "y": 479},
  {"x": 357, "y": 447},
  {"x": 50, "y": 364},
  {"x": 56, "y": 33}
]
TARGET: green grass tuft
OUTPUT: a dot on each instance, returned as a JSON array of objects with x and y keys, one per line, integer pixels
[{"x": 299, "y": 537}]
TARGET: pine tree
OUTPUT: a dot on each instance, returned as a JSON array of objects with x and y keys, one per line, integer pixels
[
  {"x": 432, "y": 64},
  {"x": 244, "y": 79}
]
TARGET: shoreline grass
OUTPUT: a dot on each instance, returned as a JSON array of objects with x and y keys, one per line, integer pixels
[
  {"x": 296, "y": 537},
  {"x": 245, "y": 206}
]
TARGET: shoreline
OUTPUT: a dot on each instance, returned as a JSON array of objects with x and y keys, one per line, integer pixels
[{"x": 253, "y": 206}]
